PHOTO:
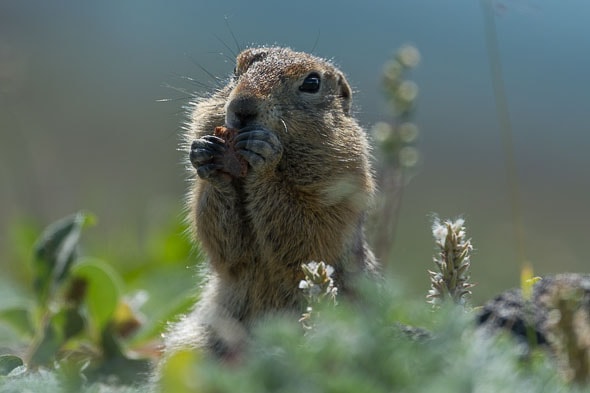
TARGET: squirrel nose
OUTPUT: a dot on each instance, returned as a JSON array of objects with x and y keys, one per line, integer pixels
[{"x": 241, "y": 112}]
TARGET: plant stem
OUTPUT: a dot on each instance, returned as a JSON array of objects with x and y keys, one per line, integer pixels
[{"x": 505, "y": 125}]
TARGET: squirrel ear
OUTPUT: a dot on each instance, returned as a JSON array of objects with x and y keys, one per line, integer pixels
[
  {"x": 345, "y": 93},
  {"x": 247, "y": 57}
]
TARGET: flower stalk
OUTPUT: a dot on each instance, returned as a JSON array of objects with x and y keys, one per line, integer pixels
[
  {"x": 318, "y": 288},
  {"x": 452, "y": 261}
]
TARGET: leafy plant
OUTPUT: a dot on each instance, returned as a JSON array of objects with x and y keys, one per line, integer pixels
[{"x": 74, "y": 325}]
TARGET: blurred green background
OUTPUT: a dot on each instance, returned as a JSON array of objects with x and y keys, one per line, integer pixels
[{"x": 82, "y": 127}]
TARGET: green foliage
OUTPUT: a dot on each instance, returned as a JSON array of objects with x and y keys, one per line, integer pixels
[
  {"x": 361, "y": 347},
  {"x": 55, "y": 252},
  {"x": 74, "y": 298},
  {"x": 81, "y": 331},
  {"x": 103, "y": 290},
  {"x": 78, "y": 329}
]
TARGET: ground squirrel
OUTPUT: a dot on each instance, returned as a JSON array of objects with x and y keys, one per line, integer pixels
[{"x": 299, "y": 192}]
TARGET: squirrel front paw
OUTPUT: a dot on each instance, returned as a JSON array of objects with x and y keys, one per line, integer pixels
[
  {"x": 261, "y": 148},
  {"x": 205, "y": 156}
]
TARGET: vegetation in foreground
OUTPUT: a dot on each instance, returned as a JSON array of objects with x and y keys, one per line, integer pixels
[{"x": 82, "y": 328}]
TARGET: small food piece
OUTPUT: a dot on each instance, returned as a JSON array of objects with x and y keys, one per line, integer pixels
[{"x": 232, "y": 162}]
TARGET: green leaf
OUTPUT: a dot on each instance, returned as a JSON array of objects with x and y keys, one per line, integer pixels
[
  {"x": 9, "y": 363},
  {"x": 18, "y": 318},
  {"x": 69, "y": 322},
  {"x": 55, "y": 252},
  {"x": 102, "y": 292}
]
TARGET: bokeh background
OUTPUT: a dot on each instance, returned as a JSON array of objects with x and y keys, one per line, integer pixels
[{"x": 88, "y": 119}]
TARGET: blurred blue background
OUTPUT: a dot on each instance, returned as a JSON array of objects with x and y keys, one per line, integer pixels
[{"x": 81, "y": 125}]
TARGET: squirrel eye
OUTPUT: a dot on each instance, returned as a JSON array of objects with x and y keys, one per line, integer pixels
[{"x": 311, "y": 84}]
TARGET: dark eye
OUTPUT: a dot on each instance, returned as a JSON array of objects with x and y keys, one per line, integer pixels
[{"x": 311, "y": 84}]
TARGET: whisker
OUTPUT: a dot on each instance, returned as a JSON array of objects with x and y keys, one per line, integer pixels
[
  {"x": 315, "y": 44},
  {"x": 231, "y": 32},
  {"x": 284, "y": 125},
  {"x": 231, "y": 51},
  {"x": 218, "y": 81},
  {"x": 195, "y": 82},
  {"x": 179, "y": 89},
  {"x": 174, "y": 99}
]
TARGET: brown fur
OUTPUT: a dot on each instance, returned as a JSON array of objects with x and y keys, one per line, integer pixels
[{"x": 304, "y": 201}]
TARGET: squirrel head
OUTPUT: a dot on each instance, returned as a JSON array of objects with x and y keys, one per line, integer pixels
[{"x": 272, "y": 86}]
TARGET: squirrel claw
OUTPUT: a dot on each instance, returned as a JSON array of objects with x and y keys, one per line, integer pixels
[{"x": 203, "y": 153}]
